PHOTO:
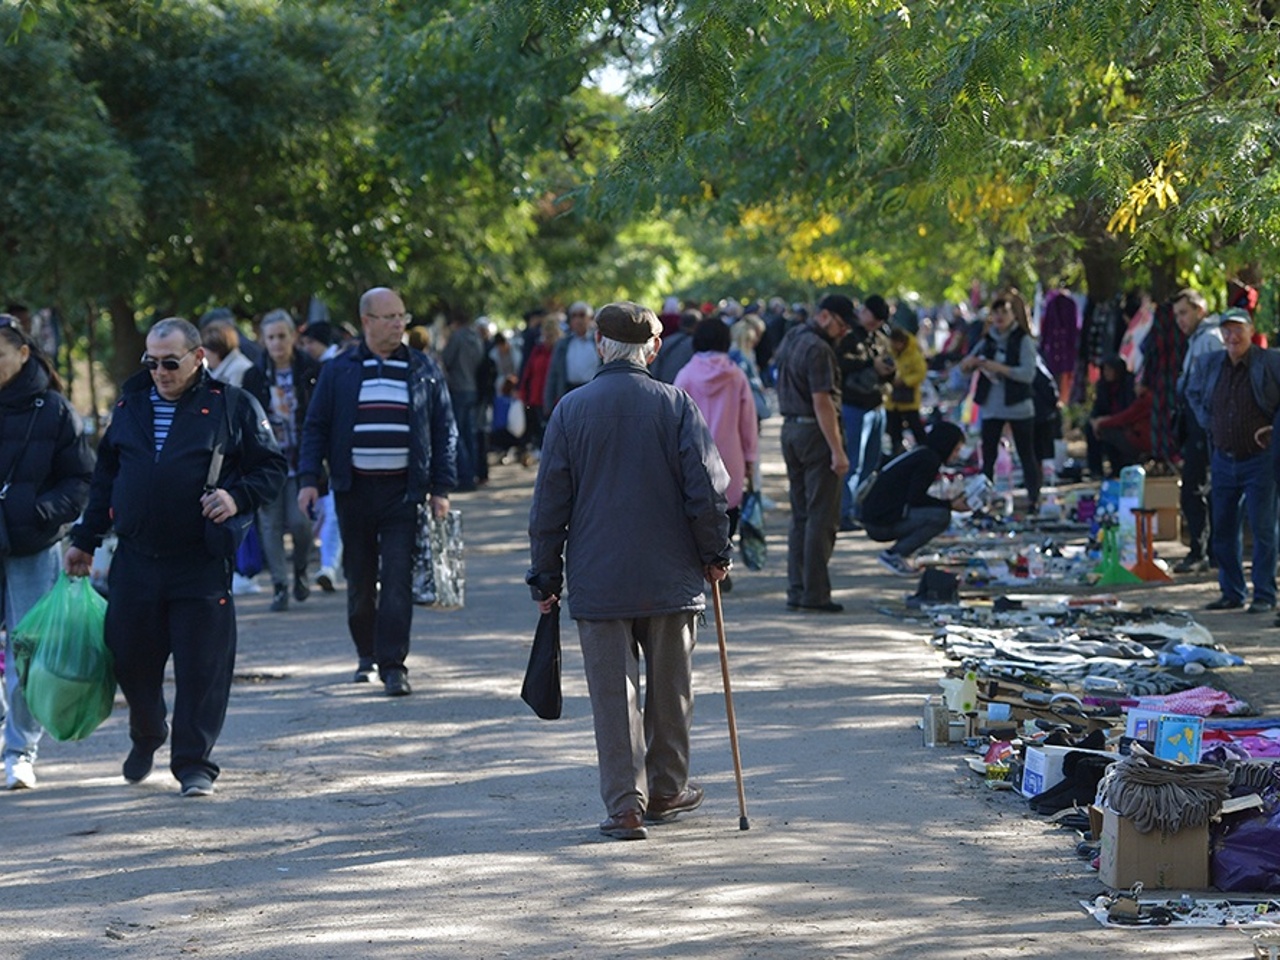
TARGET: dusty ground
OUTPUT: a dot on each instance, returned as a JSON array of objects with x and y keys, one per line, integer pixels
[{"x": 453, "y": 823}]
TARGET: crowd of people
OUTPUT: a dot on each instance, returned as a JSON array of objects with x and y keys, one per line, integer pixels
[{"x": 645, "y": 429}]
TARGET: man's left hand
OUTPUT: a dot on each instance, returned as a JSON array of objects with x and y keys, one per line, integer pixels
[
  {"x": 218, "y": 505},
  {"x": 439, "y": 506},
  {"x": 1262, "y": 436},
  {"x": 715, "y": 574}
]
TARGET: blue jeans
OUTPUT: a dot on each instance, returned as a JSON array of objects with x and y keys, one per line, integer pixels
[
  {"x": 1253, "y": 481},
  {"x": 26, "y": 580},
  {"x": 863, "y": 443}
]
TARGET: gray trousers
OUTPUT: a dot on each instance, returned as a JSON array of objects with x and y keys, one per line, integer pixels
[
  {"x": 815, "y": 513},
  {"x": 918, "y": 527},
  {"x": 274, "y": 519},
  {"x": 642, "y": 752}
]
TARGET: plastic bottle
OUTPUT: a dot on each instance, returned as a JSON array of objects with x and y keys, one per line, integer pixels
[
  {"x": 1004, "y": 475},
  {"x": 1035, "y": 563}
]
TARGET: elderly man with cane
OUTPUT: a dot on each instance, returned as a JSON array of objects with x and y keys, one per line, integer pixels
[{"x": 631, "y": 489}]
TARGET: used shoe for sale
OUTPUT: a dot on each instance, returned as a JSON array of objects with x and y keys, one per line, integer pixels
[
  {"x": 396, "y": 683},
  {"x": 897, "y": 564},
  {"x": 627, "y": 825},
  {"x": 1191, "y": 564},
  {"x": 664, "y": 809},
  {"x": 325, "y": 578},
  {"x": 280, "y": 599},
  {"x": 300, "y": 589},
  {"x": 197, "y": 785},
  {"x": 1224, "y": 603},
  {"x": 365, "y": 670},
  {"x": 19, "y": 773}
]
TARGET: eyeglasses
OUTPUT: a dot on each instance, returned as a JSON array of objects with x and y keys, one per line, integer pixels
[
  {"x": 404, "y": 318},
  {"x": 169, "y": 363}
]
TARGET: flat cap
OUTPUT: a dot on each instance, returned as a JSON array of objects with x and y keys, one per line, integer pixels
[{"x": 628, "y": 322}]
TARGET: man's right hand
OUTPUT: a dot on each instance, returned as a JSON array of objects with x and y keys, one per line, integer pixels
[
  {"x": 839, "y": 462},
  {"x": 77, "y": 562},
  {"x": 307, "y": 497}
]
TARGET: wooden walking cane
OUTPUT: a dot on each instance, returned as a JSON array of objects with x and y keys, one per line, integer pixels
[{"x": 728, "y": 706}]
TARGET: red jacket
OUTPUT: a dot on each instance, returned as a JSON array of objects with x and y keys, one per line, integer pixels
[{"x": 1134, "y": 420}]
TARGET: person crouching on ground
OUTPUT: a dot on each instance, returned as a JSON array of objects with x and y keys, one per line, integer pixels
[{"x": 898, "y": 505}]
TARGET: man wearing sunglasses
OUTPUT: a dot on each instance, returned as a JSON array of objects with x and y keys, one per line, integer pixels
[
  {"x": 381, "y": 424},
  {"x": 168, "y": 594}
]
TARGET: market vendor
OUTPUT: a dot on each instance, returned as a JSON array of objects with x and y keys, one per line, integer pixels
[
  {"x": 899, "y": 506},
  {"x": 1126, "y": 435}
]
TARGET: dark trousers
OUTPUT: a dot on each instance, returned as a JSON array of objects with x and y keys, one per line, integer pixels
[
  {"x": 1024, "y": 442},
  {"x": 899, "y": 421},
  {"x": 918, "y": 527},
  {"x": 1251, "y": 482},
  {"x": 378, "y": 531},
  {"x": 1194, "y": 496},
  {"x": 465, "y": 407},
  {"x": 181, "y": 607},
  {"x": 814, "y": 490}
]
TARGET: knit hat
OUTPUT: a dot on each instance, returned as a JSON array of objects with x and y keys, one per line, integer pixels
[{"x": 942, "y": 439}]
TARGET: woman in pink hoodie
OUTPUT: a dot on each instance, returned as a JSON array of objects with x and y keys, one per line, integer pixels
[{"x": 721, "y": 391}]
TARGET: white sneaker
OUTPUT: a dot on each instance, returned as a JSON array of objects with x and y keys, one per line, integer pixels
[
  {"x": 240, "y": 585},
  {"x": 19, "y": 773},
  {"x": 325, "y": 579}
]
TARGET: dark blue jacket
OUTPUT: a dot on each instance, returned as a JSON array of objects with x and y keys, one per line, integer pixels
[
  {"x": 331, "y": 420},
  {"x": 50, "y": 458},
  {"x": 153, "y": 500}
]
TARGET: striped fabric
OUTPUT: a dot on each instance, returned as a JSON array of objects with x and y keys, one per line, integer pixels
[
  {"x": 381, "y": 441},
  {"x": 162, "y": 417}
]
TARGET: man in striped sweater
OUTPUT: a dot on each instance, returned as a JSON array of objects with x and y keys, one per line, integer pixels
[{"x": 381, "y": 424}]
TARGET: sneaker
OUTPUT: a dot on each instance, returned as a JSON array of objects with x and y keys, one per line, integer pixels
[
  {"x": 325, "y": 578},
  {"x": 19, "y": 773},
  {"x": 242, "y": 585},
  {"x": 1191, "y": 564},
  {"x": 197, "y": 785},
  {"x": 897, "y": 564},
  {"x": 300, "y": 589},
  {"x": 137, "y": 765},
  {"x": 280, "y": 600},
  {"x": 365, "y": 670}
]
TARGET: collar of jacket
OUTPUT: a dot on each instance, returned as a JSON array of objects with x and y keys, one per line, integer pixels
[{"x": 623, "y": 366}]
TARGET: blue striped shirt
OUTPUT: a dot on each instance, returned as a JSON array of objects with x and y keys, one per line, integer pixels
[
  {"x": 381, "y": 441},
  {"x": 161, "y": 417}
]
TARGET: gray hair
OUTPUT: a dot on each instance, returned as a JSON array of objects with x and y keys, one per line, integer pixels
[
  {"x": 278, "y": 316},
  {"x": 366, "y": 298},
  {"x": 611, "y": 350},
  {"x": 170, "y": 325}
]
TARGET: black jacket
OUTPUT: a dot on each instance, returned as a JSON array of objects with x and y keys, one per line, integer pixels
[
  {"x": 153, "y": 500},
  {"x": 306, "y": 370},
  {"x": 51, "y": 481},
  {"x": 903, "y": 482}
]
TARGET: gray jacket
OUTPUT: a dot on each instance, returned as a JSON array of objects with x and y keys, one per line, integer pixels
[
  {"x": 629, "y": 506},
  {"x": 1205, "y": 338},
  {"x": 1264, "y": 377}
]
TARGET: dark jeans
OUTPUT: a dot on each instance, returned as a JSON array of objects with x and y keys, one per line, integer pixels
[
  {"x": 918, "y": 527},
  {"x": 465, "y": 404},
  {"x": 1024, "y": 442},
  {"x": 177, "y": 606},
  {"x": 814, "y": 490},
  {"x": 899, "y": 421},
  {"x": 378, "y": 533},
  {"x": 1254, "y": 482},
  {"x": 1194, "y": 497}
]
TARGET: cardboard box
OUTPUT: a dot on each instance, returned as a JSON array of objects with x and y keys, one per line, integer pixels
[
  {"x": 1168, "y": 524},
  {"x": 1042, "y": 767},
  {"x": 1170, "y": 736},
  {"x": 1160, "y": 860},
  {"x": 1161, "y": 492}
]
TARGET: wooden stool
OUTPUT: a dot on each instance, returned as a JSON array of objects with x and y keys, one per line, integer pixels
[{"x": 1146, "y": 567}]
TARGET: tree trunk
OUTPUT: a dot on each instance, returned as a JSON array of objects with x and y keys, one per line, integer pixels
[
  {"x": 1101, "y": 260},
  {"x": 127, "y": 341}
]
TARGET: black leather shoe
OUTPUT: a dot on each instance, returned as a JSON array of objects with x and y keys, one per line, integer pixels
[
  {"x": 1261, "y": 606},
  {"x": 628, "y": 825},
  {"x": 1191, "y": 564},
  {"x": 663, "y": 809},
  {"x": 396, "y": 683},
  {"x": 1224, "y": 603},
  {"x": 300, "y": 589},
  {"x": 829, "y": 607}
]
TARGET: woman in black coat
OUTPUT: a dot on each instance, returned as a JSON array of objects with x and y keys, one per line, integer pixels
[{"x": 45, "y": 466}]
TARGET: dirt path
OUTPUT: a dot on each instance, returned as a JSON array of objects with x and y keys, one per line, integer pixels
[{"x": 455, "y": 824}]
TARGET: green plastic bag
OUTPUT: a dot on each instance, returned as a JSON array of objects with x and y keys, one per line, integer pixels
[{"x": 67, "y": 673}]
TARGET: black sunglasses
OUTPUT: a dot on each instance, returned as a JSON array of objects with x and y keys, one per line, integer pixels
[{"x": 169, "y": 363}]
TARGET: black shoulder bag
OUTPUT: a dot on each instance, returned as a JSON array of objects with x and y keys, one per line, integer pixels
[{"x": 224, "y": 539}]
